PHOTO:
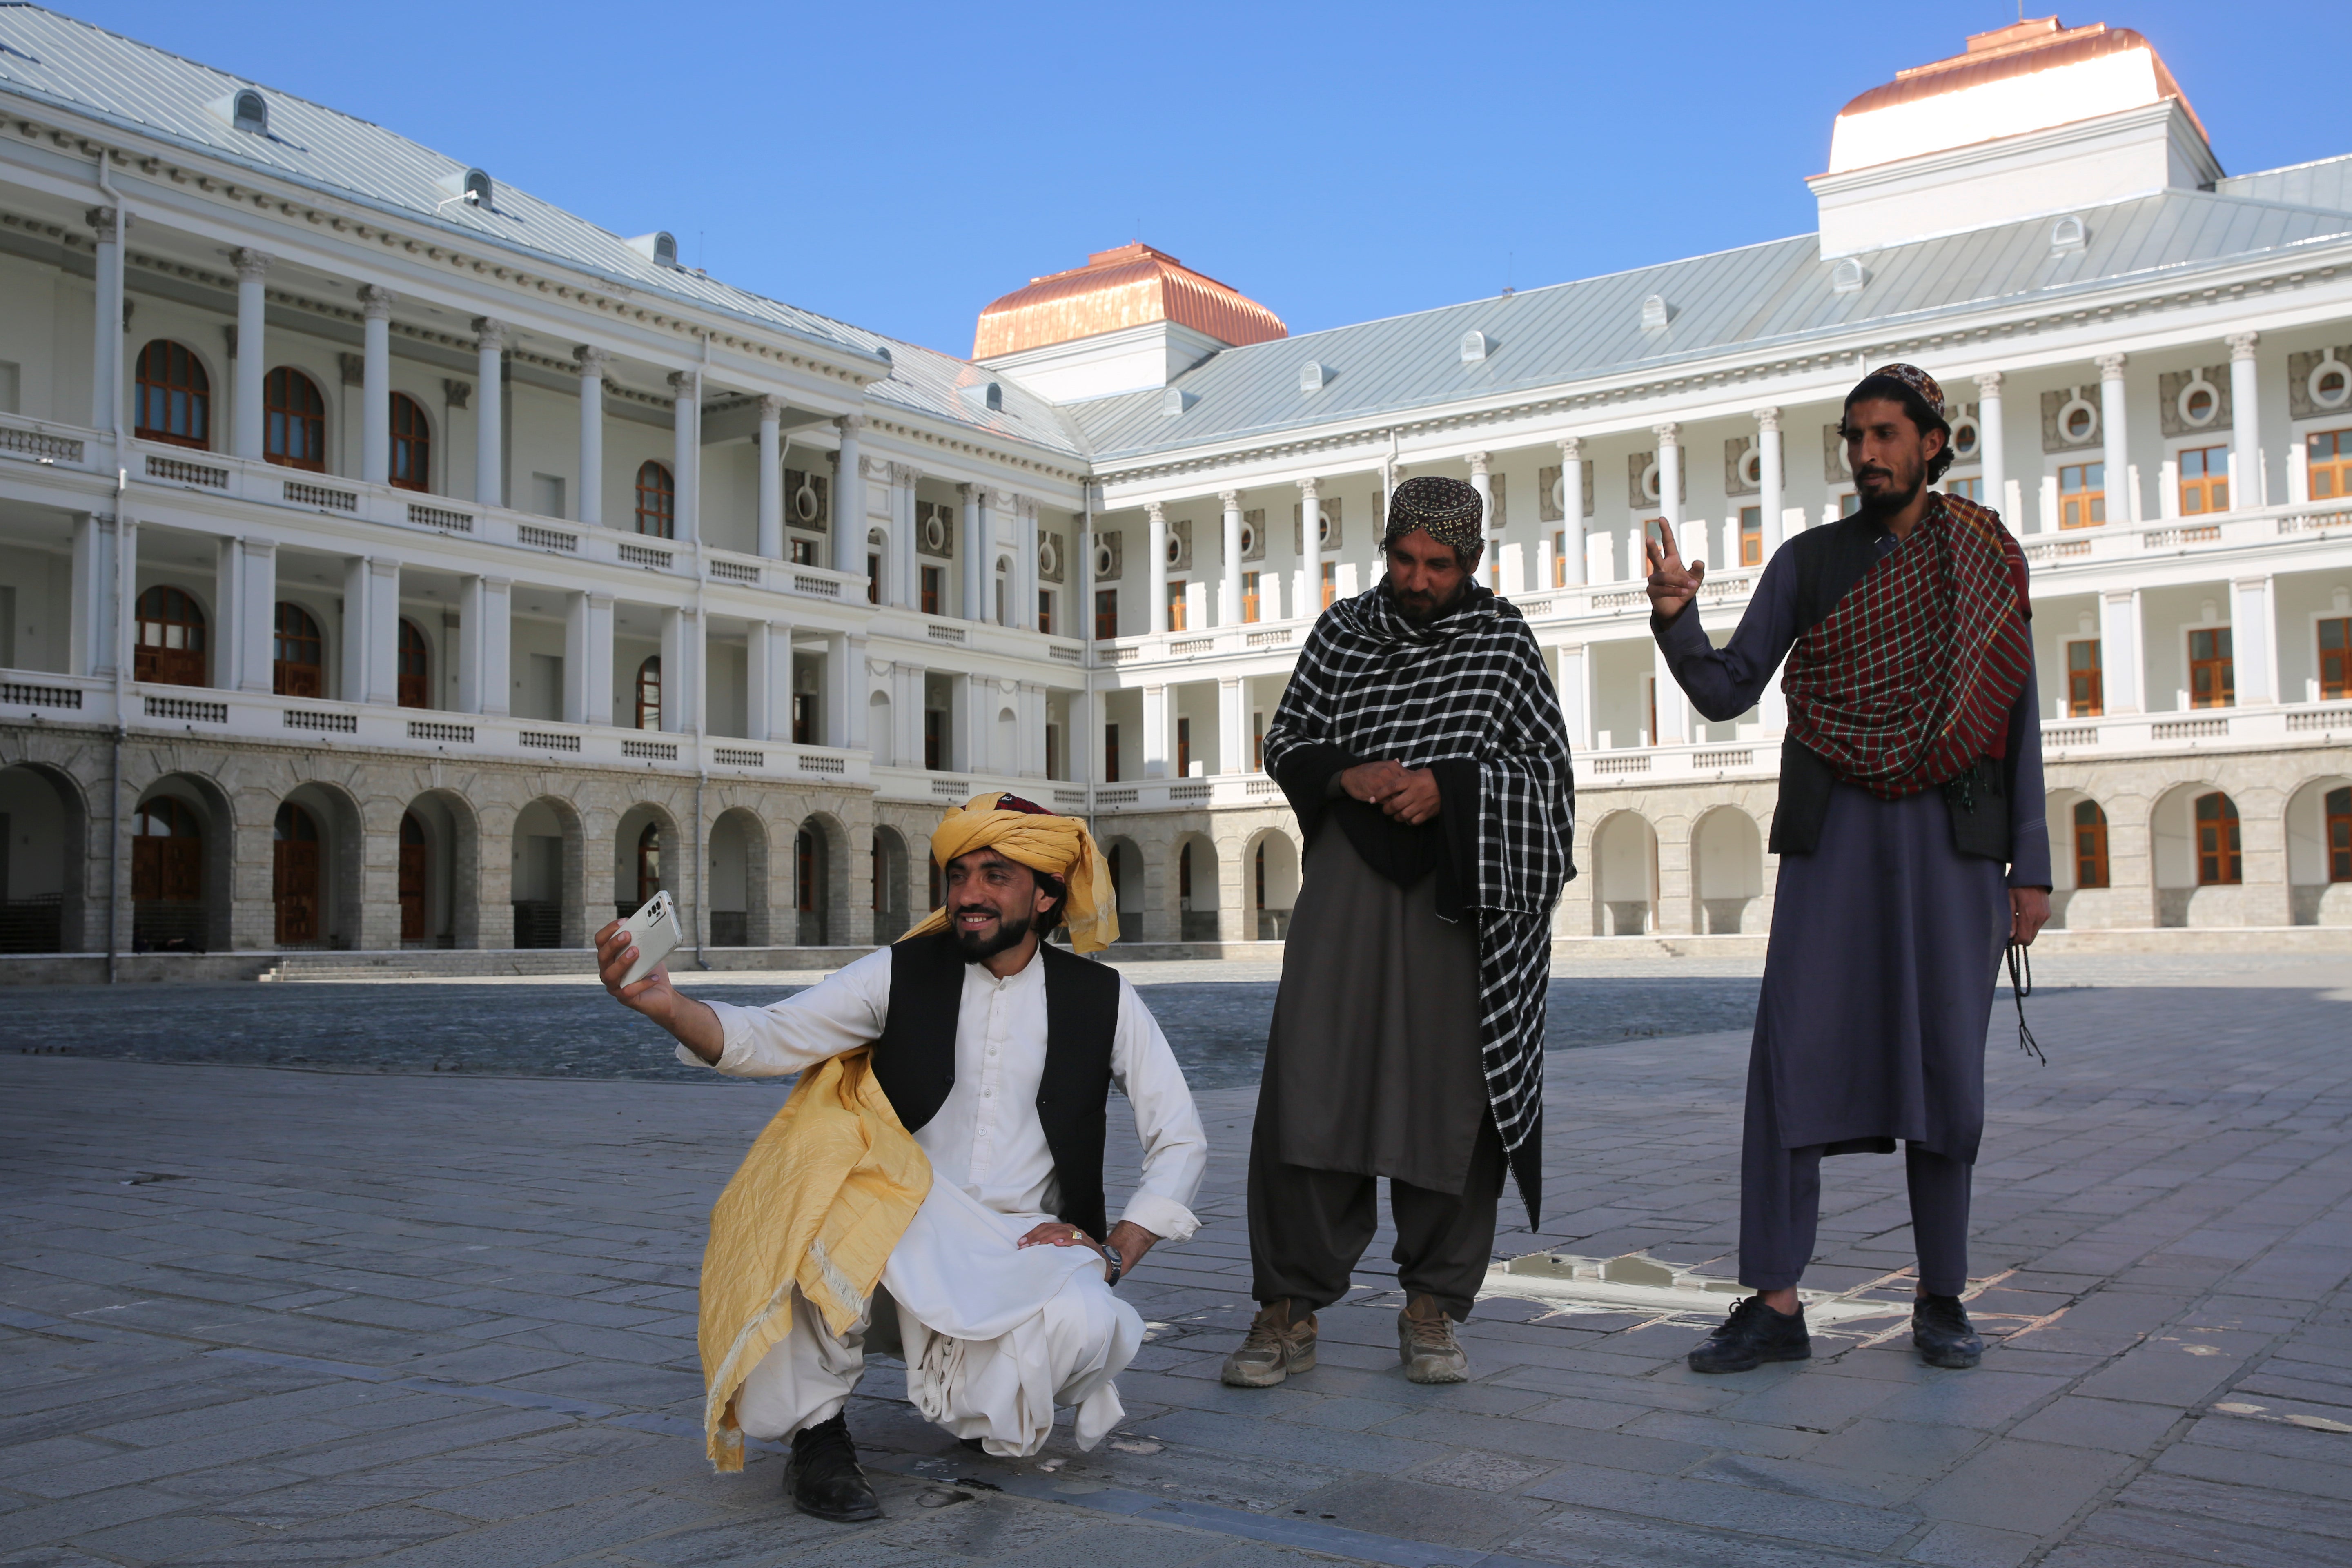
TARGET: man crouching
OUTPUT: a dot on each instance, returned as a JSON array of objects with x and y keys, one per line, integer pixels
[{"x": 933, "y": 1188}]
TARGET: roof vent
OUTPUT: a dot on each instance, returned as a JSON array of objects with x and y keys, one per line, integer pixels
[
  {"x": 2068, "y": 234},
  {"x": 983, "y": 396},
  {"x": 1175, "y": 400},
  {"x": 660, "y": 248},
  {"x": 1314, "y": 376},
  {"x": 245, "y": 110},
  {"x": 469, "y": 185},
  {"x": 1656, "y": 312},
  {"x": 1848, "y": 276},
  {"x": 1474, "y": 347}
]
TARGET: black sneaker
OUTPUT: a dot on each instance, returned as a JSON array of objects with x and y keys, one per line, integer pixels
[
  {"x": 1752, "y": 1335},
  {"x": 823, "y": 1478},
  {"x": 1940, "y": 1327}
]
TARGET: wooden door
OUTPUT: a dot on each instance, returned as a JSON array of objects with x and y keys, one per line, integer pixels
[
  {"x": 412, "y": 881},
  {"x": 294, "y": 876}
]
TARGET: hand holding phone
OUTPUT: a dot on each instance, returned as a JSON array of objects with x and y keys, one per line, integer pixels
[{"x": 653, "y": 930}]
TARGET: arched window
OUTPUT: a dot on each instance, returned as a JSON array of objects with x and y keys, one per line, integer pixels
[
  {"x": 167, "y": 852},
  {"x": 2339, "y": 810},
  {"x": 301, "y": 658},
  {"x": 2217, "y": 864},
  {"x": 296, "y": 420},
  {"x": 412, "y": 445},
  {"x": 175, "y": 396},
  {"x": 649, "y": 693},
  {"x": 295, "y": 874},
  {"x": 656, "y": 501},
  {"x": 415, "y": 665},
  {"x": 171, "y": 650},
  {"x": 2090, "y": 844},
  {"x": 649, "y": 869}
]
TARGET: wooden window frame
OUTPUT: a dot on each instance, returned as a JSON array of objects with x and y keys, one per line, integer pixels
[
  {"x": 294, "y": 428},
  {"x": 2207, "y": 489},
  {"x": 648, "y": 692},
  {"x": 2086, "y": 684},
  {"x": 2092, "y": 499},
  {"x": 2221, "y": 853},
  {"x": 649, "y": 861},
  {"x": 1183, "y": 747},
  {"x": 411, "y": 446},
  {"x": 156, "y": 657},
  {"x": 2335, "y": 663},
  {"x": 1176, "y": 607},
  {"x": 413, "y": 645},
  {"x": 2090, "y": 844},
  {"x": 195, "y": 388},
  {"x": 2329, "y": 473},
  {"x": 293, "y": 632},
  {"x": 1106, "y": 614},
  {"x": 2220, "y": 668},
  {"x": 1751, "y": 536},
  {"x": 1111, "y": 753},
  {"x": 657, "y": 499},
  {"x": 933, "y": 581},
  {"x": 2335, "y": 830}
]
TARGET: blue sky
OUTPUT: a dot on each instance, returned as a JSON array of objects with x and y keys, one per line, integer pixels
[{"x": 899, "y": 166}]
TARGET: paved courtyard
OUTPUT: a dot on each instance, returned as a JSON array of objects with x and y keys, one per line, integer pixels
[{"x": 299, "y": 1314}]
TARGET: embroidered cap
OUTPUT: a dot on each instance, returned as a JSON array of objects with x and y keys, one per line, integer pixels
[
  {"x": 1448, "y": 511},
  {"x": 1917, "y": 380}
]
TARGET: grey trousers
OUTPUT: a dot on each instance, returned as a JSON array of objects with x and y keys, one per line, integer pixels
[
  {"x": 1307, "y": 1228},
  {"x": 1780, "y": 1207}
]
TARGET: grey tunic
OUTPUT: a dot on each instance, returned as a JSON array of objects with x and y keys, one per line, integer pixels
[
  {"x": 1878, "y": 978},
  {"x": 1372, "y": 1065}
]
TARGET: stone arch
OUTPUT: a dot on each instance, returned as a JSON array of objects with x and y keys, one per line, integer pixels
[
  {"x": 1193, "y": 874},
  {"x": 2198, "y": 884},
  {"x": 548, "y": 859},
  {"x": 167, "y": 924},
  {"x": 643, "y": 862},
  {"x": 891, "y": 887},
  {"x": 43, "y": 860},
  {"x": 439, "y": 890},
  {"x": 316, "y": 868},
  {"x": 2319, "y": 851},
  {"x": 738, "y": 891},
  {"x": 1727, "y": 871},
  {"x": 1270, "y": 869},
  {"x": 1128, "y": 890},
  {"x": 820, "y": 880},
  {"x": 1624, "y": 873}
]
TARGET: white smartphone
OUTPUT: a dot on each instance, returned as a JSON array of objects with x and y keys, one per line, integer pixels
[{"x": 654, "y": 929}]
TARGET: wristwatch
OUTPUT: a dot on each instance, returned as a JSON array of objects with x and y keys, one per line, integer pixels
[{"x": 1111, "y": 1259}]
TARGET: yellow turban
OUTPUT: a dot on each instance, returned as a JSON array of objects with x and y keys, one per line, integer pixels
[{"x": 1058, "y": 845}]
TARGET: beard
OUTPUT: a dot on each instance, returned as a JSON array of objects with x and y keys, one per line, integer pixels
[
  {"x": 1008, "y": 935},
  {"x": 1899, "y": 491},
  {"x": 1419, "y": 608}
]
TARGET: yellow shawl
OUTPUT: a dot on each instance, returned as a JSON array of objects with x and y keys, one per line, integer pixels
[{"x": 823, "y": 1197}]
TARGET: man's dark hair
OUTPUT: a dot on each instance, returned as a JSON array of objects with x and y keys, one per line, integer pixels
[
  {"x": 1888, "y": 389},
  {"x": 1058, "y": 890}
]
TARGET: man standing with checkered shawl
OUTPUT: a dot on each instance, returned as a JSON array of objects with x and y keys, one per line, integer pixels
[
  {"x": 1911, "y": 851},
  {"x": 1421, "y": 743}
]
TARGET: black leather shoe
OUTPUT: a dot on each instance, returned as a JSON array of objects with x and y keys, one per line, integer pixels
[
  {"x": 1940, "y": 1327},
  {"x": 1752, "y": 1335},
  {"x": 824, "y": 1479}
]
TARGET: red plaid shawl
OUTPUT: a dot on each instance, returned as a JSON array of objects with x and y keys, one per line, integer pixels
[{"x": 1910, "y": 679}]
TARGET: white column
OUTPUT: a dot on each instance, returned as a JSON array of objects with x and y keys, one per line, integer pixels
[
  {"x": 1571, "y": 509},
  {"x": 2246, "y": 421},
  {"x": 676, "y": 624},
  {"x": 256, "y": 624},
  {"x": 686, "y": 463},
  {"x": 95, "y": 639},
  {"x": 1771, "y": 483},
  {"x": 843, "y": 721},
  {"x": 1157, "y": 729},
  {"x": 360, "y": 631},
  {"x": 849, "y": 500},
  {"x": 483, "y": 644},
  {"x": 771, "y": 479},
  {"x": 1305, "y": 597},
  {"x": 1670, "y": 472},
  {"x": 490, "y": 411},
  {"x": 906, "y": 712},
  {"x": 1233, "y": 728},
  {"x": 228, "y": 600},
  {"x": 246, "y": 424},
  {"x": 2119, "y": 653},
  {"x": 768, "y": 664},
  {"x": 1156, "y": 536},
  {"x": 906, "y": 590},
  {"x": 1029, "y": 730},
  {"x": 597, "y": 662},
  {"x": 975, "y": 553},
  {"x": 375, "y": 387},
  {"x": 1575, "y": 712},
  {"x": 1229, "y": 582},
  {"x": 106, "y": 343},
  {"x": 2116, "y": 449},
  {"x": 1674, "y": 726},
  {"x": 1490, "y": 527},
  {"x": 593, "y": 361},
  {"x": 1993, "y": 447},
  {"x": 2253, "y": 642},
  {"x": 576, "y": 619},
  {"x": 1024, "y": 571}
]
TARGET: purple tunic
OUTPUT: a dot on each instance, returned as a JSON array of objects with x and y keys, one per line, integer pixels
[{"x": 1886, "y": 942}]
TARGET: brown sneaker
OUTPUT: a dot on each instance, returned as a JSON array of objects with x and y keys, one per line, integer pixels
[
  {"x": 1426, "y": 1345},
  {"x": 1275, "y": 1348}
]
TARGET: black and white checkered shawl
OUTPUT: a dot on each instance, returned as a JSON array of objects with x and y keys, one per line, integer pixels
[{"x": 1469, "y": 686}]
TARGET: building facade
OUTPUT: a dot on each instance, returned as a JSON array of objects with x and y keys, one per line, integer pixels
[{"x": 388, "y": 559}]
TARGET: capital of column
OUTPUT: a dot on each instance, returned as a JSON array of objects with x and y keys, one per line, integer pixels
[
  {"x": 252, "y": 266},
  {"x": 1989, "y": 384},
  {"x": 969, "y": 492},
  {"x": 597, "y": 601},
  {"x": 1310, "y": 488},
  {"x": 1571, "y": 448},
  {"x": 850, "y": 424},
  {"x": 490, "y": 332},
  {"x": 686, "y": 384},
  {"x": 1230, "y": 500},
  {"x": 592, "y": 361},
  {"x": 1767, "y": 419},
  {"x": 1155, "y": 511},
  {"x": 1669, "y": 434},
  {"x": 772, "y": 407},
  {"x": 2111, "y": 367},
  {"x": 905, "y": 474},
  {"x": 1478, "y": 465},
  {"x": 2241, "y": 345},
  {"x": 109, "y": 223},
  {"x": 375, "y": 303}
]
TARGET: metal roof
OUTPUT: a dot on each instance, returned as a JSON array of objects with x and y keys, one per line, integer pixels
[
  {"x": 2325, "y": 184},
  {"x": 57, "y": 60},
  {"x": 1760, "y": 300}
]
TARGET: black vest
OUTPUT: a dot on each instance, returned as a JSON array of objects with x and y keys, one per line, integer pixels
[
  {"x": 1830, "y": 561},
  {"x": 914, "y": 1061}
]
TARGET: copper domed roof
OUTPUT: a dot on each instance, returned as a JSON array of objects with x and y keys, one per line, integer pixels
[
  {"x": 2022, "y": 48},
  {"x": 1129, "y": 287}
]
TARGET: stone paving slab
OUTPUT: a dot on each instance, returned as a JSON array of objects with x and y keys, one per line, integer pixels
[{"x": 267, "y": 1316}]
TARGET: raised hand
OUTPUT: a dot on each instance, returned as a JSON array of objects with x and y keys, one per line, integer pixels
[
  {"x": 695, "y": 1026},
  {"x": 1672, "y": 585},
  {"x": 1373, "y": 783}
]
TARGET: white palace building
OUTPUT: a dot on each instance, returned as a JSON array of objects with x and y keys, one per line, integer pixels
[{"x": 390, "y": 562}]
